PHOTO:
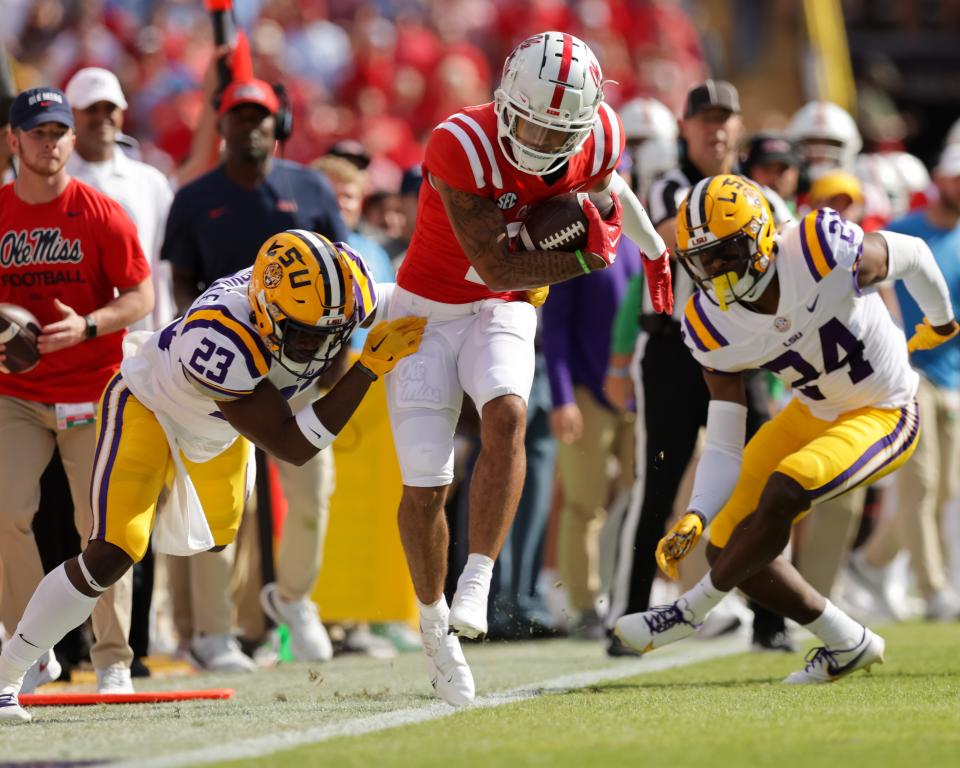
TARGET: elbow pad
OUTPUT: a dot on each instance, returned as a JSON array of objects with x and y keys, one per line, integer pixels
[
  {"x": 909, "y": 259},
  {"x": 636, "y": 223},
  {"x": 719, "y": 467}
]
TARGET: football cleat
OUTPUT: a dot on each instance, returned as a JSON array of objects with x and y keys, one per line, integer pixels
[
  {"x": 220, "y": 653},
  {"x": 826, "y": 665},
  {"x": 468, "y": 613},
  {"x": 115, "y": 679},
  {"x": 447, "y": 668},
  {"x": 45, "y": 670},
  {"x": 309, "y": 640},
  {"x": 661, "y": 625},
  {"x": 11, "y": 711}
]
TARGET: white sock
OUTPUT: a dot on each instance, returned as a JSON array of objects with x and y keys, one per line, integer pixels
[
  {"x": 55, "y": 608},
  {"x": 438, "y": 611},
  {"x": 478, "y": 568},
  {"x": 837, "y": 630},
  {"x": 702, "y": 598}
]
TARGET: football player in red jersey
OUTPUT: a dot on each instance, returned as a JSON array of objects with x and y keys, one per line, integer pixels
[{"x": 547, "y": 132}]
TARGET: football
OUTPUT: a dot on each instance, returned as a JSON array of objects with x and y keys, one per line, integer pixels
[
  {"x": 559, "y": 223},
  {"x": 19, "y": 330}
]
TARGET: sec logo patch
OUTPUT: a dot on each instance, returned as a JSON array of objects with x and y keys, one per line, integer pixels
[{"x": 506, "y": 201}]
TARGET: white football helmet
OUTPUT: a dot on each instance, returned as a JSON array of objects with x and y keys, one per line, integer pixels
[
  {"x": 826, "y": 136},
  {"x": 953, "y": 135},
  {"x": 878, "y": 170},
  {"x": 553, "y": 82},
  {"x": 651, "y": 132}
]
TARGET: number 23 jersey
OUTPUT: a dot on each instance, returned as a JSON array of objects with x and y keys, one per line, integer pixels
[{"x": 837, "y": 347}]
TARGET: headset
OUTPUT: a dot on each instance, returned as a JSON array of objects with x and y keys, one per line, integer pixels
[{"x": 283, "y": 119}]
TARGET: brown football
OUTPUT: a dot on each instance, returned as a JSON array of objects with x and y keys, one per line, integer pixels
[
  {"x": 19, "y": 330},
  {"x": 559, "y": 223}
]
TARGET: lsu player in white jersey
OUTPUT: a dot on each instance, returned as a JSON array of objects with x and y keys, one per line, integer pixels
[
  {"x": 800, "y": 306},
  {"x": 183, "y": 398}
]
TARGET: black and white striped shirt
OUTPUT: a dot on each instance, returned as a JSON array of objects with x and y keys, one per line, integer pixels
[{"x": 663, "y": 200}]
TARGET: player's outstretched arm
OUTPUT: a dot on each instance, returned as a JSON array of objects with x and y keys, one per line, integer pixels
[
  {"x": 479, "y": 227},
  {"x": 265, "y": 418},
  {"x": 717, "y": 471},
  {"x": 894, "y": 256}
]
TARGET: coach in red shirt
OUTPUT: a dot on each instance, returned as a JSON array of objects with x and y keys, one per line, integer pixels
[{"x": 71, "y": 256}]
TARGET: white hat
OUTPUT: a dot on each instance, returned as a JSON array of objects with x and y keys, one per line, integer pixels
[
  {"x": 93, "y": 84},
  {"x": 949, "y": 164}
]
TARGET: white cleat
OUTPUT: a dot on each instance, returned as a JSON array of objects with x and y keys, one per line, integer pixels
[
  {"x": 661, "y": 625},
  {"x": 825, "y": 665},
  {"x": 447, "y": 668},
  {"x": 468, "y": 613},
  {"x": 220, "y": 653},
  {"x": 115, "y": 679},
  {"x": 309, "y": 640},
  {"x": 10, "y": 710},
  {"x": 45, "y": 670}
]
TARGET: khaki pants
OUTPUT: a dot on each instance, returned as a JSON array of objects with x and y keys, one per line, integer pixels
[
  {"x": 825, "y": 535},
  {"x": 28, "y": 436},
  {"x": 584, "y": 472},
  {"x": 212, "y": 591},
  {"x": 924, "y": 484}
]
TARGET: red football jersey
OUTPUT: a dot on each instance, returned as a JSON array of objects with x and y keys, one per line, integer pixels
[
  {"x": 464, "y": 152},
  {"x": 76, "y": 248}
]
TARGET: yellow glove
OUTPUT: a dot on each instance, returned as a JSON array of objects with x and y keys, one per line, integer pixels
[
  {"x": 925, "y": 337},
  {"x": 678, "y": 543},
  {"x": 388, "y": 342},
  {"x": 537, "y": 296}
]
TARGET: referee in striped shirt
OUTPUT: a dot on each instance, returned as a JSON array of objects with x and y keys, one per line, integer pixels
[{"x": 674, "y": 397}]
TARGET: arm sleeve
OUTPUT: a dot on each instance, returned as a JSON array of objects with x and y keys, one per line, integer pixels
[
  {"x": 910, "y": 259},
  {"x": 626, "y": 326},
  {"x": 179, "y": 239},
  {"x": 636, "y": 223},
  {"x": 557, "y": 343},
  {"x": 719, "y": 466},
  {"x": 123, "y": 258}
]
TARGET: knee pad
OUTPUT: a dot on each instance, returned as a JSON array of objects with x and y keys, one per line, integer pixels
[{"x": 424, "y": 442}]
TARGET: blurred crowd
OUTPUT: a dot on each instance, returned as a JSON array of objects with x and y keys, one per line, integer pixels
[{"x": 367, "y": 81}]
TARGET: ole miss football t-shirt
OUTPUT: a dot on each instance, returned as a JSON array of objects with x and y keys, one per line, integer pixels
[{"x": 77, "y": 248}]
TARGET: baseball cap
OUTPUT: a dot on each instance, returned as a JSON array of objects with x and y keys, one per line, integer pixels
[
  {"x": 836, "y": 182},
  {"x": 949, "y": 163},
  {"x": 712, "y": 94},
  {"x": 249, "y": 92},
  {"x": 412, "y": 179},
  {"x": 769, "y": 148},
  {"x": 93, "y": 84},
  {"x": 352, "y": 150},
  {"x": 36, "y": 106}
]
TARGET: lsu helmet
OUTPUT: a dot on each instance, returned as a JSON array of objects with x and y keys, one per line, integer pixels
[
  {"x": 725, "y": 239},
  {"x": 553, "y": 82},
  {"x": 826, "y": 135},
  {"x": 307, "y": 295}
]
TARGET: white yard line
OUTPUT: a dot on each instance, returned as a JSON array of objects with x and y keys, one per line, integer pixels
[{"x": 687, "y": 653}]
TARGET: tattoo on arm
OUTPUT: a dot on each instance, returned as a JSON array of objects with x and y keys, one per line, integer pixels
[{"x": 480, "y": 230}]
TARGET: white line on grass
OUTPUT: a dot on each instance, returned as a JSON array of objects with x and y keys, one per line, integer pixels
[{"x": 259, "y": 746}]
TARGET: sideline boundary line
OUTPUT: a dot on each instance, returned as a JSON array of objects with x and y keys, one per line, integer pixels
[{"x": 260, "y": 746}]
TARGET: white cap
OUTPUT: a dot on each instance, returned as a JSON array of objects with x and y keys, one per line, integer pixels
[
  {"x": 949, "y": 164},
  {"x": 93, "y": 84}
]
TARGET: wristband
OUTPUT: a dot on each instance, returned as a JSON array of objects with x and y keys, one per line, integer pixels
[
  {"x": 365, "y": 371},
  {"x": 622, "y": 373},
  {"x": 91, "y": 327},
  {"x": 312, "y": 428},
  {"x": 583, "y": 262}
]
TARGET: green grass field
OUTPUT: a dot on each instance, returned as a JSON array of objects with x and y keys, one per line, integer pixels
[{"x": 730, "y": 711}]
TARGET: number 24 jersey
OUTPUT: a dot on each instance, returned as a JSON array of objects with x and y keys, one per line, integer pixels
[{"x": 837, "y": 347}]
